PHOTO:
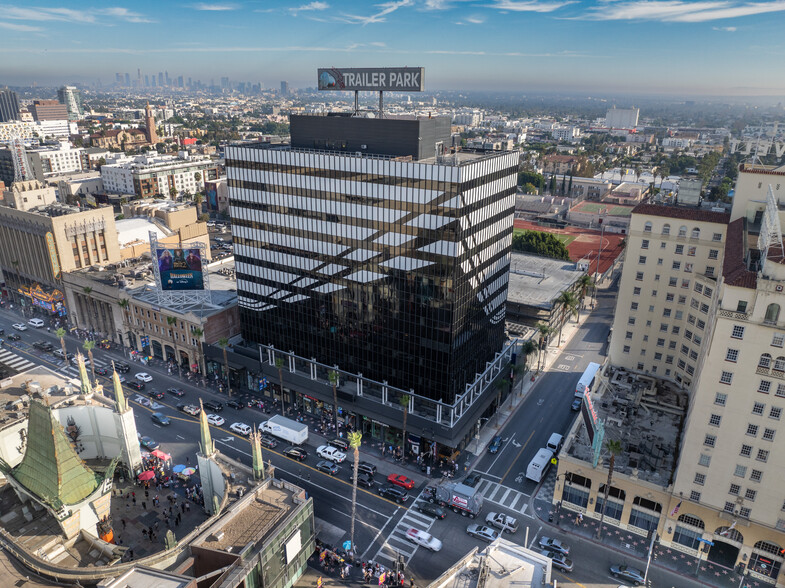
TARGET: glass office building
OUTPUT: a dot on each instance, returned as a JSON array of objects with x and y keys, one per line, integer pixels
[{"x": 388, "y": 265}]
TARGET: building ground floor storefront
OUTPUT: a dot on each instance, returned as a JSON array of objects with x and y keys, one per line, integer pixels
[{"x": 145, "y": 347}]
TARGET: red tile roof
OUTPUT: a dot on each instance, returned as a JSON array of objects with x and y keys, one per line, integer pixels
[
  {"x": 734, "y": 269},
  {"x": 683, "y": 213}
]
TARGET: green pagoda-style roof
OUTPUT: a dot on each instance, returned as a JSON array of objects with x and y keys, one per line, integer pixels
[{"x": 50, "y": 468}]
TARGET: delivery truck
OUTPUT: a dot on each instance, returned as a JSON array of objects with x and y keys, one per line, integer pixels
[
  {"x": 460, "y": 498},
  {"x": 286, "y": 429}
]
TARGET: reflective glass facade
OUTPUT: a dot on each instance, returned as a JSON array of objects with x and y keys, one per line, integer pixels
[{"x": 393, "y": 269}]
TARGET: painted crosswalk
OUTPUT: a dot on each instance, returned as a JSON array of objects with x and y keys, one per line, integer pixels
[
  {"x": 73, "y": 371},
  {"x": 14, "y": 361},
  {"x": 503, "y": 496},
  {"x": 397, "y": 545}
]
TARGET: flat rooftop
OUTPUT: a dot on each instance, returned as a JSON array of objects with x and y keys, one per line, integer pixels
[
  {"x": 644, "y": 414},
  {"x": 537, "y": 281}
]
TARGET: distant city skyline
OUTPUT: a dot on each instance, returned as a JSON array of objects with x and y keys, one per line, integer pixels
[{"x": 711, "y": 47}]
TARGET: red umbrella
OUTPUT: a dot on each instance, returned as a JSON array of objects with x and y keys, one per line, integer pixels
[
  {"x": 161, "y": 455},
  {"x": 146, "y": 475}
]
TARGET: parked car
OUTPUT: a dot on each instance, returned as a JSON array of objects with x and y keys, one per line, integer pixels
[
  {"x": 502, "y": 521},
  {"x": 160, "y": 418},
  {"x": 122, "y": 367},
  {"x": 295, "y": 453},
  {"x": 215, "y": 420},
  {"x": 495, "y": 444},
  {"x": 482, "y": 532},
  {"x": 340, "y": 444},
  {"x": 144, "y": 377},
  {"x": 19, "y": 326},
  {"x": 36, "y": 323},
  {"x": 268, "y": 442},
  {"x": 178, "y": 392},
  {"x": 401, "y": 480},
  {"x": 328, "y": 467},
  {"x": 424, "y": 539},
  {"x": 235, "y": 405},
  {"x": 472, "y": 480},
  {"x": 157, "y": 394},
  {"x": 148, "y": 443},
  {"x": 558, "y": 560},
  {"x": 395, "y": 493},
  {"x": 554, "y": 545},
  {"x": 14, "y": 337},
  {"x": 240, "y": 429},
  {"x": 576, "y": 404},
  {"x": 331, "y": 453},
  {"x": 629, "y": 573},
  {"x": 213, "y": 405},
  {"x": 138, "y": 386},
  {"x": 433, "y": 510},
  {"x": 363, "y": 479},
  {"x": 191, "y": 409}
]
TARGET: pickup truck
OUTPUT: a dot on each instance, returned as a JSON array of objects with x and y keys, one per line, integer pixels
[{"x": 331, "y": 453}]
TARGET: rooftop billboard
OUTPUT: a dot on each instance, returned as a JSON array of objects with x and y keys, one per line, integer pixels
[
  {"x": 180, "y": 269},
  {"x": 372, "y": 79}
]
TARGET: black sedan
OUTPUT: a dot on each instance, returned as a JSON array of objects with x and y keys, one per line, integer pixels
[
  {"x": 433, "y": 510},
  {"x": 43, "y": 346},
  {"x": 268, "y": 442},
  {"x": 295, "y": 453},
  {"x": 328, "y": 467},
  {"x": 14, "y": 337},
  {"x": 122, "y": 367},
  {"x": 235, "y": 405},
  {"x": 363, "y": 480},
  {"x": 135, "y": 385},
  {"x": 157, "y": 394},
  {"x": 175, "y": 392}
]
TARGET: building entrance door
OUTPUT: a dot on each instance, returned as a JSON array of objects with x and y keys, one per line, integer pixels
[{"x": 723, "y": 554}]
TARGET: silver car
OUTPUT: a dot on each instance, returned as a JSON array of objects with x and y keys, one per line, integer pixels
[
  {"x": 502, "y": 521},
  {"x": 629, "y": 573},
  {"x": 558, "y": 560},
  {"x": 482, "y": 532}
]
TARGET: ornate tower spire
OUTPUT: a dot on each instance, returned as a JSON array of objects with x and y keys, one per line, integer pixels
[
  {"x": 86, "y": 388},
  {"x": 256, "y": 452},
  {"x": 119, "y": 395},
  {"x": 207, "y": 441},
  {"x": 152, "y": 136}
]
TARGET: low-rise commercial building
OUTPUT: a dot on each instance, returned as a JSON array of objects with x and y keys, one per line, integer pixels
[{"x": 148, "y": 176}]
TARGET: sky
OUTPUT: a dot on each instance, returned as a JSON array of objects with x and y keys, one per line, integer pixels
[{"x": 680, "y": 47}]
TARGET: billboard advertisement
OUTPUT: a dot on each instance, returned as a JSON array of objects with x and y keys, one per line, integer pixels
[
  {"x": 590, "y": 417},
  {"x": 180, "y": 269},
  {"x": 372, "y": 79}
]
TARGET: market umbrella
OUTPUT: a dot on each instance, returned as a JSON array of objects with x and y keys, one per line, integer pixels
[
  {"x": 161, "y": 455},
  {"x": 146, "y": 475},
  {"x": 188, "y": 472},
  {"x": 178, "y": 468}
]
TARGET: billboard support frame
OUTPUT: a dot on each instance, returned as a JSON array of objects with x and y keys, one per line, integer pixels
[{"x": 175, "y": 297}]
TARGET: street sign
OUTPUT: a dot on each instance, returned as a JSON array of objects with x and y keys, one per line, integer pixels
[
  {"x": 706, "y": 541},
  {"x": 347, "y": 545}
]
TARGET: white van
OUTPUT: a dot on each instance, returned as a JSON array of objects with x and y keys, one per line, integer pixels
[
  {"x": 35, "y": 322},
  {"x": 539, "y": 465},
  {"x": 554, "y": 443}
]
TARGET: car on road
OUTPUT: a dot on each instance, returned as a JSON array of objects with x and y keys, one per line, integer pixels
[
  {"x": 472, "y": 480},
  {"x": 268, "y": 442},
  {"x": 148, "y": 443},
  {"x": 144, "y": 377},
  {"x": 363, "y": 479},
  {"x": 576, "y": 404},
  {"x": 213, "y": 405},
  {"x": 558, "y": 560},
  {"x": 19, "y": 326},
  {"x": 160, "y": 418},
  {"x": 502, "y": 521},
  {"x": 215, "y": 420},
  {"x": 240, "y": 429},
  {"x": 331, "y": 453},
  {"x": 295, "y": 453},
  {"x": 43, "y": 346},
  {"x": 157, "y": 394},
  {"x": 482, "y": 532},
  {"x": 328, "y": 467},
  {"x": 235, "y": 405},
  {"x": 554, "y": 545},
  {"x": 191, "y": 409},
  {"x": 395, "y": 493},
  {"x": 102, "y": 371},
  {"x": 495, "y": 444},
  {"x": 629, "y": 573},
  {"x": 14, "y": 337},
  {"x": 58, "y": 353},
  {"x": 424, "y": 539},
  {"x": 122, "y": 367},
  {"x": 433, "y": 510},
  {"x": 178, "y": 392},
  {"x": 401, "y": 480},
  {"x": 339, "y": 444},
  {"x": 36, "y": 323},
  {"x": 75, "y": 363},
  {"x": 135, "y": 385},
  {"x": 365, "y": 467}
]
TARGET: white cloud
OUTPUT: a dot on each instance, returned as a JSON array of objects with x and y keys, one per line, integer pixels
[
  {"x": 214, "y": 7},
  {"x": 725, "y": 29},
  {"x": 311, "y": 6},
  {"x": 125, "y": 14},
  {"x": 40, "y": 14},
  {"x": 681, "y": 10},
  {"x": 386, "y": 8},
  {"x": 529, "y": 5},
  {"x": 12, "y": 26}
]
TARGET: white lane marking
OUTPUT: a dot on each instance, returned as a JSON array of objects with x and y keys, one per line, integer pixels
[
  {"x": 181, "y": 437},
  {"x": 362, "y": 557},
  {"x": 493, "y": 463}
]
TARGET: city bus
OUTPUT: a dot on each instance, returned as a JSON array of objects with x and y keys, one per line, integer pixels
[{"x": 586, "y": 383}]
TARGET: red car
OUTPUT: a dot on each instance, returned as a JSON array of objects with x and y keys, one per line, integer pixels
[{"x": 400, "y": 480}]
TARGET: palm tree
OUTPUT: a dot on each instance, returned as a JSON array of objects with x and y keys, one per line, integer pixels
[
  {"x": 614, "y": 448},
  {"x": 527, "y": 349},
  {"x": 279, "y": 364},
  {"x": 333, "y": 377},
  {"x": 545, "y": 331},
  {"x": 88, "y": 346},
  {"x": 584, "y": 283},
  {"x": 404, "y": 401},
  {"x": 355, "y": 440},
  {"x": 223, "y": 343},
  {"x": 569, "y": 304},
  {"x": 61, "y": 335}
]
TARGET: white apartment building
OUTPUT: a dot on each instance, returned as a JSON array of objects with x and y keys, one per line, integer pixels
[
  {"x": 59, "y": 160},
  {"x": 146, "y": 175},
  {"x": 622, "y": 118},
  {"x": 38, "y": 129},
  {"x": 566, "y": 133}
]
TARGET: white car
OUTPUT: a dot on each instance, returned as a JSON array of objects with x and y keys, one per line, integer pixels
[
  {"x": 35, "y": 322},
  {"x": 423, "y": 539},
  {"x": 502, "y": 521},
  {"x": 19, "y": 326},
  {"x": 240, "y": 428},
  {"x": 331, "y": 453},
  {"x": 144, "y": 377},
  {"x": 216, "y": 420}
]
